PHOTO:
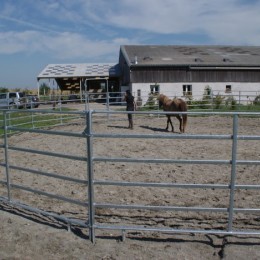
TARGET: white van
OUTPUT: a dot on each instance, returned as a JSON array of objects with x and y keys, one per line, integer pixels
[{"x": 11, "y": 100}]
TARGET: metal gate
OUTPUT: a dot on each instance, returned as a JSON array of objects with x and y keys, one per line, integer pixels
[{"x": 90, "y": 182}]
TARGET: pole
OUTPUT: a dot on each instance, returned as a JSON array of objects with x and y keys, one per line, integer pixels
[
  {"x": 91, "y": 208},
  {"x": 233, "y": 172}
]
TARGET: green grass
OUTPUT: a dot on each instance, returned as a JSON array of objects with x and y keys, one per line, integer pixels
[
  {"x": 34, "y": 120},
  {"x": 239, "y": 108}
]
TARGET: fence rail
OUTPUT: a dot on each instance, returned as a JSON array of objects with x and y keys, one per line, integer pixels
[{"x": 91, "y": 182}]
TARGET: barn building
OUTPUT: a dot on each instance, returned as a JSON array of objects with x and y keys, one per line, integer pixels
[
  {"x": 176, "y": 70},
  {"x": 190, "y": 70}
]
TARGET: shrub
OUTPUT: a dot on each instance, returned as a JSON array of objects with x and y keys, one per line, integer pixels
[
  {"x": 197, "y": 104},
  {"x": 257, "y": 100},
  {"x": 231, "y": 103},
  {"x": 218, "y": 100},
  {"x": 151, "y": 102}
]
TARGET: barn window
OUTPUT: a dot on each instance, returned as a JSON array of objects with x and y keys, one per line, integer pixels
[
  {"x": 187, "y": 90},
  {"x": 138, "y": 93},
  {"x": 228, "y": 89},
  {"x": 155, "y": 88}
]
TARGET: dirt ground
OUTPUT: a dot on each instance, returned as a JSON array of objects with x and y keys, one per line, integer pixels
[{"x": 26, "y": 235}]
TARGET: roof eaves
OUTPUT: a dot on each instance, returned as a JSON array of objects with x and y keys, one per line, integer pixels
[
  {"x": 218, "y": 67},
  {"x": 157, "y": 65},
  {"x": 124, "y": 52},
  {"x": 195, "y": 65}
]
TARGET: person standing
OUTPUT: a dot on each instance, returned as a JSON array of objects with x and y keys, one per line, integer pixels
[{"x": 130, "y": 106}]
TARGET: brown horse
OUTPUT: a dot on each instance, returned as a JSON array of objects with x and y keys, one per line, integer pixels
[{"x": 174, "y": 105}]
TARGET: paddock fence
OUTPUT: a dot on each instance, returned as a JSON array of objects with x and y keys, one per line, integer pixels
[
  {"x": 235, "y": 100},
  {"x": 87, "y": 192},
  {"x": 200, "y": 100}
]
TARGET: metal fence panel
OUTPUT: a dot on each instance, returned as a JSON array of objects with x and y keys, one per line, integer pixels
[{"x": 89, "y": 135}]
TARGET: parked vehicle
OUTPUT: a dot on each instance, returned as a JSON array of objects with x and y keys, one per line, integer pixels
[
  {"x": 74, "y": 98},
  {"x": 32, "y": 101},
  {"x": 11, "y": 100}
]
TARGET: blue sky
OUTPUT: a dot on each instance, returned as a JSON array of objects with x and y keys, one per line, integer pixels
[{"x": 34, "y": 33}]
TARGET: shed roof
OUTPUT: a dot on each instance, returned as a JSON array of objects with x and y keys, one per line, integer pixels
[
  {"x": 193, "y": 55},
  {"x": 82, "y": 70}
]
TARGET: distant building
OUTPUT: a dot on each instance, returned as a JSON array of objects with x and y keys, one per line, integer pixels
[
  {"x": 175, "y": 70},
  {"x": 190, "y": 70}
]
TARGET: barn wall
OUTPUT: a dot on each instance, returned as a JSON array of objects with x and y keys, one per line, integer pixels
[
  {"x": 247, "y": 90},
  {"x": 186, "y": 75}
]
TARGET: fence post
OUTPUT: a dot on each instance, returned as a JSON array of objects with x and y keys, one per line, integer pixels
[
  {"x": 32, "y": 120},
  {"x": 233, "y": 172},
  {"x": 6, "y": 157},
  {"x": 107, "y": 105},
  {"x": 91, "y": 208}
]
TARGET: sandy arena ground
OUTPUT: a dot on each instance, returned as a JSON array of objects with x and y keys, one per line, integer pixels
[{"x": 25, "y": 235}]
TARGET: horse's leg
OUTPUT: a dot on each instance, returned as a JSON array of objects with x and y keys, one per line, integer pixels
[
  {"x": 184, "y": 122},
  {"x": 171, "y": 124},
  {"x": 168, "y": 120},
  {"x": 181, "y": 123}
]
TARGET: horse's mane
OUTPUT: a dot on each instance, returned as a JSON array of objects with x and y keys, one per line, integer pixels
[{"x": 163, "y": 98}]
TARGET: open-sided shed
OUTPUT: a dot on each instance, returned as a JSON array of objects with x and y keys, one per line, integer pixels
[{"x": 77, "y": 78}]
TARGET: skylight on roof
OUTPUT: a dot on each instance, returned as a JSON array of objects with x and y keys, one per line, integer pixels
[{"x": 165, "y": 59}]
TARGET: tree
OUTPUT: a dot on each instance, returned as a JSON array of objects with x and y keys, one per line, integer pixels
[
  {"x": 27, "y": 91},
  {"x": 4, "y": 90},
  {"x": 44, "y": 89}
]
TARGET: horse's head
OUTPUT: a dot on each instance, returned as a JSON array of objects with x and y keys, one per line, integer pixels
[
  {"x": 160, "y": 99},
  {"x": 160, "y": 104}
]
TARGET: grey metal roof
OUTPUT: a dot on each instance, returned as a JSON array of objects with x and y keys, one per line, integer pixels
[
  {"x": 79, "y": 70},
  {"x": 193, "y": 55}
]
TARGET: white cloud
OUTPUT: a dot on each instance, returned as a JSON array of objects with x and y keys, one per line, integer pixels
[
  {"x": 232, "y": 21},
  {"x": 239, "y": 26},
  {"x": 13, "y": 42},
  {"x": 73, "y": 31},
  {"x": 62, "y": 46},
  {"x": 223, "y": 22},
  {"x": 25, "y": 23},
  {"x": 68, "y": 45}
]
